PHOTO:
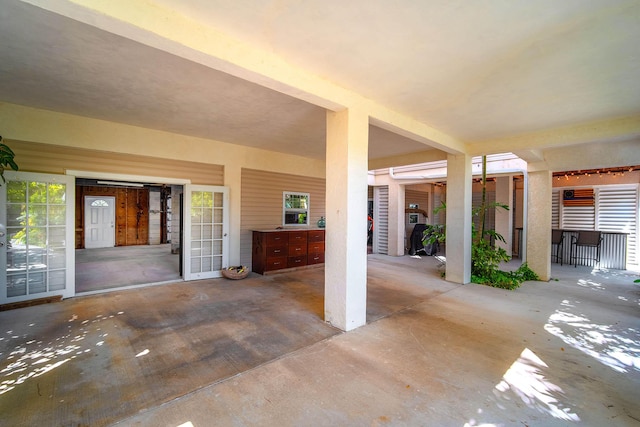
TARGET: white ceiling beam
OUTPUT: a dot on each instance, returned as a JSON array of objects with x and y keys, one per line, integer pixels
[
  {"x": 613, "y": 130},
  {"x": 407, "y": 159},
  {"x": 591, "y": 156}
]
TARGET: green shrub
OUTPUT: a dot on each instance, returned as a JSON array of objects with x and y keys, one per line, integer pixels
[
  {"x": 485, "y": 258},
  {"x": 498, "y": 279},
  {"x": 524, "y": 273},
  {"x": 505, "y": 279},
  {"x": 433, "y": 234}
]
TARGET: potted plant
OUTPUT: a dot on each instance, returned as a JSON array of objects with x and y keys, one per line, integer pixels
[{"x": 6, "y": 159}]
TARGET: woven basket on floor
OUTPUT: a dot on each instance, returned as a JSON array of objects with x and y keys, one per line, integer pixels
[{"x": 234, "y": 272}]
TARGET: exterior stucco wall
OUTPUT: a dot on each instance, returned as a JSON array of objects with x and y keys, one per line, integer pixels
[
  {"x": 80, "y": 143},
  {"x": 47, "y": 127}
]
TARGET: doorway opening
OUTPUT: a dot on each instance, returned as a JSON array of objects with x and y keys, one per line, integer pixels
[{"x": 128, "y": 234}]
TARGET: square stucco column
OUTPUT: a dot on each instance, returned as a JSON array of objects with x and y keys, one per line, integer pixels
[
  {"x": 345, "y": 283},
  {"x": 396, "y": 238},
  {"x": 504, "y": 218},
  {"x": 538, "y": 233},
  {"x": 458, "y": 239}
]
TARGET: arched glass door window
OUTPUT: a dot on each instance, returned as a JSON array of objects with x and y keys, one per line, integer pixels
[{"x": 99, "y": 203}]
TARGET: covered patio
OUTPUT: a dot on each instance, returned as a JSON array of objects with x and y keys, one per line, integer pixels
[{"x": 257, "y": 352}]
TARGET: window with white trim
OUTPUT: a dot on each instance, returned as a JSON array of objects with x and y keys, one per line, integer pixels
[{"x": 295, "y": 208}]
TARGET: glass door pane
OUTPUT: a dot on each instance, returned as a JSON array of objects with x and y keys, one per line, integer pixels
[
  {"x": 38, "y": 225},
  {"x": 206, "y": 235}
]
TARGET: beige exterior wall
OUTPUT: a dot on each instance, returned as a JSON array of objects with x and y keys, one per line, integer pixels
[
  {"x": 421, "y": 195},
  {"x": 55, "y": 159},
  {"x": 64, "y": 130},
  {"x": 52, "y": 142},
  {"x": 262, "y": 203}
]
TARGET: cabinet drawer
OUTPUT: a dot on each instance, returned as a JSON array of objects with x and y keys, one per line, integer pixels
[
  {"x": 316, "y": 236},
  {"x": 276, "y": 239},
  {"x": 315, "y": 247},
  {"x": 276, "y": 251},
  {"x": 275, "y": 263},
  {"x": 296, "y": 261},
  {"x": 296, "y": 249},
  {"x": 317, "y": 258},
  {"x": 297, "y": 237}
]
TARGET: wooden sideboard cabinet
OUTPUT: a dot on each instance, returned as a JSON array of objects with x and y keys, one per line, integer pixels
[
  {"x": 315, "y": 247},
  {"x": 280, "y": 249}
]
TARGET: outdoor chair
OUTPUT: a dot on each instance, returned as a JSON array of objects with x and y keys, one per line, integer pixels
[
  {"x": 586, "y": 242},
  {"x": 557, "y": 238}
]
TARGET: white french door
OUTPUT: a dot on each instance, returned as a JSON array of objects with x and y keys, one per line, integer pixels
[
  {"x": 37, "y": 243},
  {"x": 206, "y": 231}
]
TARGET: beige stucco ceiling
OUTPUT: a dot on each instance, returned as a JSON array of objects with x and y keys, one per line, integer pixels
[{"x": 479, "y": 72}]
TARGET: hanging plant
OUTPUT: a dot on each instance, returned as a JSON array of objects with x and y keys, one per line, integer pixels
[{"x": 6, "y": 159}]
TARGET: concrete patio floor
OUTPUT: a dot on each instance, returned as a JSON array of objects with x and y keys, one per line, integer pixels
[
  {"x": 102, "y": 269},
  {"x": 257, "y": 353}
]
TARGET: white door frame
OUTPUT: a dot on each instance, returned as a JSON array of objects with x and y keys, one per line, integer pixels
[
  {"x": 69, "y": 179},
  {"x": 187, "y": 274},
  {"x": 124, "y": 178},
  {"x": 191, "y": 244}
]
